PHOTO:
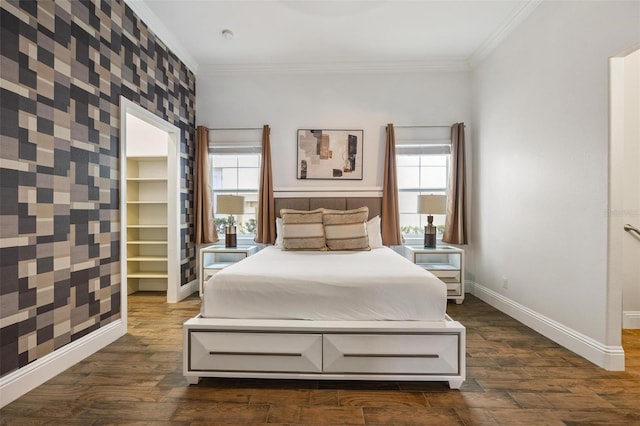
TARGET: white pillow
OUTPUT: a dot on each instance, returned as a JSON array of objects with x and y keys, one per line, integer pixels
[
  {"x": 279, "y": 238},
  {"x": 373, "y": 231}
]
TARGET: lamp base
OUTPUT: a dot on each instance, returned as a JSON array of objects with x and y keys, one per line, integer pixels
[
  {"x": 430, "y": 240},
  {"x": 430, "y": 235},
  {"x": 230, "y": 237}
]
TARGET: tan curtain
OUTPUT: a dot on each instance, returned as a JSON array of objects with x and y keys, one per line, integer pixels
[
  {"x": 454, "y": 227},
  {"x": 390, "y": 214},
  {"x": 266, "y": 229},
  {"x": 203, "y": 215}
]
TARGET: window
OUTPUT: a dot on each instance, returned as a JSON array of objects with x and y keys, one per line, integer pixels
[
  {"x": 422, "y": 164},
  {"x": 234, "y": 159}
]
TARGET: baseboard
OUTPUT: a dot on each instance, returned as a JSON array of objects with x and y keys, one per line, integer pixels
[
  {"x": 16, "y": 384},
  {"x": 608, "y": 357},
  {"x": 188, "y": 289},
  {"x": 631, "y": 319}
]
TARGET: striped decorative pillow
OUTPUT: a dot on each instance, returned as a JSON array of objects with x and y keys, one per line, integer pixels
[
  {"x": 346, "y": 229},
  {"x": 302, "y": 230}
]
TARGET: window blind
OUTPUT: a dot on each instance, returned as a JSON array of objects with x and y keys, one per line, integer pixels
[
  {"x": 423, "y": 140},
  {"x": 235, "y": 141}
]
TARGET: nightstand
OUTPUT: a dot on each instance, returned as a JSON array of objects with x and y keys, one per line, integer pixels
[
  {"x": 215, "y": 258},
  {"x": 446, "y": 263}
]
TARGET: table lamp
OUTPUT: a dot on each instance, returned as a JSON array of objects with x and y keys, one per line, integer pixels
[
  {"x": 431, "y": 204},
  {"x": 230, "y": 204}
]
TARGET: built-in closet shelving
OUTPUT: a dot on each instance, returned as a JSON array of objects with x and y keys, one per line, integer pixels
[{"x": 147, "y": 223}]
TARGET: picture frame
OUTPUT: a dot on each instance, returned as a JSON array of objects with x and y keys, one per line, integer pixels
[{"x": 329, "y": 154}]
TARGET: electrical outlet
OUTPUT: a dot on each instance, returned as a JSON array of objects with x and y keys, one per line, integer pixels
[{"x": 505, "y": 282}]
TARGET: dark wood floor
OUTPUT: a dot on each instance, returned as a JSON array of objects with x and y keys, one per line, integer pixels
[{"x": 514, "y": 376}]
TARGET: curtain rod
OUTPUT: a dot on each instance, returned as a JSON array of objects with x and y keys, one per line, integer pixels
[
  {"x": 412, "y": 127},
  {"x": 235, "y": 128}
]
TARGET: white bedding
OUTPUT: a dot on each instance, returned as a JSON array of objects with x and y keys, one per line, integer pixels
[{"x": 310, "y": 285}]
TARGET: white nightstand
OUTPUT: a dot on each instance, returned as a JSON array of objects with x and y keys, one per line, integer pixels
[
  {"x": 446, "y": 263},
  {"x": 215, "y": 258}
]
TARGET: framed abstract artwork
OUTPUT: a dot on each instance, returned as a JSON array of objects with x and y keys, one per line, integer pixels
[{"x": 330, "y": 154}]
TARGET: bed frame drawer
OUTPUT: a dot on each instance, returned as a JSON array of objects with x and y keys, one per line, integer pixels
[
  {"x": 267, "y": 352},
  {"x": 391, "y": 354}
]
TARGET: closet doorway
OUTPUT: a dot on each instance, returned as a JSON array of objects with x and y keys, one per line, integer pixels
[
  {"x": 624, "y": 193},
  {"x": 149, "y": 203}
]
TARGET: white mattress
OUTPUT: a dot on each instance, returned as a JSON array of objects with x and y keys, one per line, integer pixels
[{"x": 311, "y": 285}]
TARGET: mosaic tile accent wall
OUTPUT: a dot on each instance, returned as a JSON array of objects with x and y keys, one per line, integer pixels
[{"x": 64, "y": 65}]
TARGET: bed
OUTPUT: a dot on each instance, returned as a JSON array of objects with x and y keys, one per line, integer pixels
[{"x": 356, "y": 315}]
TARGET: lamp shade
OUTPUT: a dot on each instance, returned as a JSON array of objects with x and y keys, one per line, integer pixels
[
  {"x": 432, "y": 204},
  {"x": 229, "y": 204}
]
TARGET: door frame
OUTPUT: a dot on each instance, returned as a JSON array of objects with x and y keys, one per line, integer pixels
[
  {"x": 615, "y": 212},
  {"x": 128, "y": 107}
]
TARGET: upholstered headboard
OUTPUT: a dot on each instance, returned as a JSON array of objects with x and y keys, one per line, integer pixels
[{"x": 336, "y": 203}]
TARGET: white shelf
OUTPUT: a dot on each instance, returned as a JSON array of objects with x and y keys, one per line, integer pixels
[
  {"x": 439, "y": 266},
  {"x": 139, "y": 179},
  {"x": 147, "y": 259},
  {"x": 146, "y": 226},
  {"x": 146, "y": 242},
  {"x": 159, "y": 157},
  {"x": 146, "y": 202},
  {"x": 148, "y": 275},
  {"x": 217, "y": 266}
]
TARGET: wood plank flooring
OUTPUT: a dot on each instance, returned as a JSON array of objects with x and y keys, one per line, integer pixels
[{"x": 515, "y": 377}]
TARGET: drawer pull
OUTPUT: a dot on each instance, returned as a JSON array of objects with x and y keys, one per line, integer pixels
[
  {"x": 391, "y": 355},
  {"x": 256, "y": 353}
]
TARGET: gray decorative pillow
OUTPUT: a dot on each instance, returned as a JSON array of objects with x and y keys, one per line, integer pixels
[
  {"x": 302, "y": 230},
  {"x": 346, "y": 229}
]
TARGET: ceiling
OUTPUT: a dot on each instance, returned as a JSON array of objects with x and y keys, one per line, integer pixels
[{"x": 308, "y": 33}]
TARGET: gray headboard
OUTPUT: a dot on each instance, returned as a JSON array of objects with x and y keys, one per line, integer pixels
[{"x": 336, "y": 203}]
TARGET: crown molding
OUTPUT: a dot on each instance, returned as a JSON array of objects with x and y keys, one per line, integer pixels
[
  {"x": 162, "y": 32},
  {"x": 437, "y": 65},
  {"x": 447, "y": 65},
  {"x": 502, "y": 32}
]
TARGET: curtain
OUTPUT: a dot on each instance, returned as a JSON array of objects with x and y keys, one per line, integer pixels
[
  {"x": 454, "y": 227},
  {"x": 390, "y": 214},
  {"x": 203, "y": 214},
  {"x": 266, "y": 229}
]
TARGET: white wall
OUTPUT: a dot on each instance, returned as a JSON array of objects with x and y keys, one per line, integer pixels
[
  {"x": 368, "y": 101},
  {"x": 146, "y": 139},
  {"x": 539, "y": 186}
]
